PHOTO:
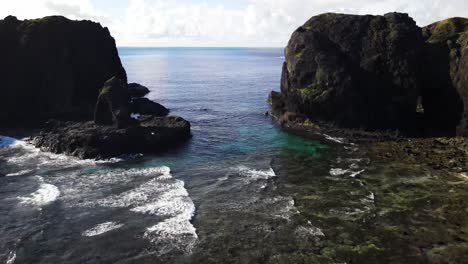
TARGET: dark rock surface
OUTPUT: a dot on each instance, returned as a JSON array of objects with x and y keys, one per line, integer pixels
[
  {"x": 113, "y": 103},
  {"x": 59, "y": 69},
  {"x": 89, "y": 140},
  {"x": 446, "y": 91},
  {"x": 354, "y": 71},
  {"x": 144, "y": 106},
  {"x": 449, "y": 154},
  {"x": 53, "y": 67},
  {"x": 137, "y": 90},
  {"x": 376, "y": 73}
]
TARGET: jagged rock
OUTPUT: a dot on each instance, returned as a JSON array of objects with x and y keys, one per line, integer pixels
[
  {"x": 88, "y": 140},
  {"x": 53, "y": 67},
  {"x": 354, "y": 71},
  {"x": 113, "y": 103},
  {"x": 445, "y": 92},
  {"x": 144, "y": 106},
  {"x": 137, "y": 90}
]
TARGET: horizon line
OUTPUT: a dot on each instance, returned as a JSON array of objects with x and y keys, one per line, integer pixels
[{"x": 198, "y": 47}]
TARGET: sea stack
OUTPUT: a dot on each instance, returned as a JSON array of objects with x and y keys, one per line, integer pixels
[{"x": 375, "y": 73}]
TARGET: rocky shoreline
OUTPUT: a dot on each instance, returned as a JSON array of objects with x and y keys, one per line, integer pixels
[
  {"x": 397, "y": 90},
  {"x": 76, "y": 99},
  {"x": 449, "y": 154},
  {"x": 88, "y": 140}
]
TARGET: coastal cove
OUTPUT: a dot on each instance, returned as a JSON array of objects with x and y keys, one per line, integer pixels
[{"x": 241, "y": 190}]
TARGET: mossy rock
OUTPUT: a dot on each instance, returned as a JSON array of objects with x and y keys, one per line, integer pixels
[{"x": 446, "y": 29}]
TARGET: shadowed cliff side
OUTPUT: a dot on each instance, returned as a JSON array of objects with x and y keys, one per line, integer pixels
[
  {"x": 446, "y": 91},
  {"x": 376, "y": 73},
  {"x": 53, "y": 67}
]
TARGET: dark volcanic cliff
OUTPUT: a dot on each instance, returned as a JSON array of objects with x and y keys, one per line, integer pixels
[
  {"x": 446, "y": 89},
  {"x": 376, "y": 72},
  {"x": 53, "y": 67}
]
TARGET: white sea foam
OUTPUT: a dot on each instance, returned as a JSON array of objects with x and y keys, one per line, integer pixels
[
  {"x": 256, "y": 174},
  {"x": 32, "y": 155},
  {"x": 337, "y": 140},
  {"x": 135, "y": 115},
  {"x": 356, "y": 173},
  {"x": 19, "y": 173},
  {"x": 142, "y": 195},
  {"x": 352, "y": 173},
  {"x": 162, "y": 196},
  {"x": 101, "y": 229},
  {"x": 175, "y": 233},
  {"x": 309, "y": 231},
  {"x": 46, "y": 194},
  {"x": 279, "y": 206},
  {"x": 171, "y": 203},
  {"x": 338, "y": 171},
  {"x": 11, "y": 257}
]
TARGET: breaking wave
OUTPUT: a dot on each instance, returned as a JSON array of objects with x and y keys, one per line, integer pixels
[
  {"x": 101, "y": 229},
  {"x": 46, "y": 194}
]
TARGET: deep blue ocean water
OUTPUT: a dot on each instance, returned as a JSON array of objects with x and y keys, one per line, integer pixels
[
  {"x": 221, "y": 91},
  {"x": 240, "y": 191}
]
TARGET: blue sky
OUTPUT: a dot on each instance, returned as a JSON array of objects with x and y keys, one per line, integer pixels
[{"x": 254, "y": 23}]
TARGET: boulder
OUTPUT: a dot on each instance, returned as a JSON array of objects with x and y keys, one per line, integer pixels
[
  {"x": 53, "y": 67},
  {"x": 88, "y": 140},
  {"x": 354, "y": 71},
  {"x": 137, "y": 90},
  {"x": 445, "y": 94},
  {"x": 144, "y": 106},
  {"x": 113, "y": 103}
]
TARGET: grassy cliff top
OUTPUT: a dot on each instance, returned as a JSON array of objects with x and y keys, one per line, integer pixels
[{"x": 445, "y": 29}]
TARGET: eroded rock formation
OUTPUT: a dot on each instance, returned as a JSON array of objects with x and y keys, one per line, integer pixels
[
  {"x": 53, "y": 67},
  {"x": 376, "y": 73}
]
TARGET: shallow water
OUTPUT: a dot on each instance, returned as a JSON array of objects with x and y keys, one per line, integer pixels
[{"x": 241, "y": 191}]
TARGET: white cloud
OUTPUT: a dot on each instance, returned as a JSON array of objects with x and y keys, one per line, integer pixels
[
  {"x": 258, "y": 23},
  {"x": 73, "y": 9}
]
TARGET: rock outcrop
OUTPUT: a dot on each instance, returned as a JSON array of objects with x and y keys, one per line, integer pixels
[
  {"x": 137, "y": 90},
  {"x": 113, "y": 103},
  {"x": 445, "y": 92},
  {"x": 376, "y": 73},
  {"x": 53, "y": 67},
  {"x": 354, "y": 70},
  {"x": 144, "y": 106},
  {"x": 58, "y": 69},
  {"x": 113, "y": 132},
  {"x": 88, "y": 140}
]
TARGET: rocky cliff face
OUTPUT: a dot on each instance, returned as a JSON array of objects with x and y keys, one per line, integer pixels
[
  {"x": 354, "y": 70},
  {"x": 376, "y": 72},
  {"x": 53, "y": 67},
  {"x": 446, "y": 90}
]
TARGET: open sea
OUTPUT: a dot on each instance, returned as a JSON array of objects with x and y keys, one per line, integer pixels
[{"x": 240, "y": 191}]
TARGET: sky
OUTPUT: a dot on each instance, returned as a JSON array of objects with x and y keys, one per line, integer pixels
[{"x": 219, "y": 23}]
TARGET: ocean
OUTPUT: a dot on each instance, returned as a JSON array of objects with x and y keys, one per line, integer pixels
[{"x": 240, "y": 191}]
